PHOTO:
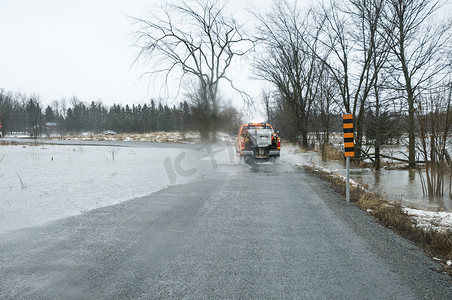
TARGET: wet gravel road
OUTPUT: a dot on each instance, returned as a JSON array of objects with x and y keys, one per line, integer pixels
[{"x": 259, "y": 231}]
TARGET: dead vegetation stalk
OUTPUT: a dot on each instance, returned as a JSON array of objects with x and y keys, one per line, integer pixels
[{"x": 22, "y": 184}]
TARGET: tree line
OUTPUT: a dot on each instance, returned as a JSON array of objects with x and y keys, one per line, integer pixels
[
  {"x": 24, "y": 113},
  {"x": 375, "y": 59},
  {"x": 379, "y": 60}
]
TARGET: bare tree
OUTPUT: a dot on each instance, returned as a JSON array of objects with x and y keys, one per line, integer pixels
[
  {"x": 267, "y": 102},
  {"x": 113, "y": 150},
  {"x": 354, "y": 53},
  {"x": 196, "y": 39},
  {"x": 326, "y": 105},
  {"x": 374, "y": 51},
  {"x": 434, "y": 118},
  {"x": 419, "y": 57},
  {"x": 201, "y": 109},
  {"x": 289, "y": 62}
]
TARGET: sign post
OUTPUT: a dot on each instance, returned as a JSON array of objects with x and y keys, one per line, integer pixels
[{"x": 349, "y": 149}]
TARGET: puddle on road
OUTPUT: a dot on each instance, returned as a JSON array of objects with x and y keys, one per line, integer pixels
[{"x": 397, "y": 185}]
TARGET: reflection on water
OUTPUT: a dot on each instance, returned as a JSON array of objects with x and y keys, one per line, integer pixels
[
  {"x": 404, "y": 185},
  {"x": 412, "y": 175}
]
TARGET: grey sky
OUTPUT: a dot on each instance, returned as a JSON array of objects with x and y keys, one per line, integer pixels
[{"x": 82, "y": 48}]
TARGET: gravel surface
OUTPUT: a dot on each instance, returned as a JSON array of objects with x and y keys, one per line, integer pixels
[{"x": 248, "y": 231}]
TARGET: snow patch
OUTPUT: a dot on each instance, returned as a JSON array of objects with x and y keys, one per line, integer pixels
[{"x": 430, "y": 220}]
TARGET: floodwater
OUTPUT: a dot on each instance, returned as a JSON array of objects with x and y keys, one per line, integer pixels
[{"x": 398, "y": 185}]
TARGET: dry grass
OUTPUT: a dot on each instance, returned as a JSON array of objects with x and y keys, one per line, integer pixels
[
  {"x": 160, "y": 137},
  {"x": 7, "y": 143},
  {"x": 329, "y": 152},
  {"x": 363, "y": 164},
  {"x": 391, "y": 215},
  {"x": 388, "y": 213},
  {"x": 16, "y": 143},
  {"x": 397, "y": 166}
]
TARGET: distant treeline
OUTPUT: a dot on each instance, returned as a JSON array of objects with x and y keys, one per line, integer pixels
[{"x": 22, "y": 113}]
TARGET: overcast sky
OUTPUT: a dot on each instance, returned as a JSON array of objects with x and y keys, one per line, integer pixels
[{"x": 59, "y": 49}]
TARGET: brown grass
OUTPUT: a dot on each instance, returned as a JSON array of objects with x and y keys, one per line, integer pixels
[
  {"x": 11, "y": 143},
  {"x": 160, "y": 136},
  {"x": 329, "y": 152},
  {"x": 391, "y": 215},
  {"x": 388, "y": 213}
]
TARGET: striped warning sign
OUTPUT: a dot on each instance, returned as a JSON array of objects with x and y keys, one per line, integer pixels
[{"x": 349, "y": 147}]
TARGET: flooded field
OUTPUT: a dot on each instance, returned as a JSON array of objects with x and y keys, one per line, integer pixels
[{"x": 404, "y": 185}]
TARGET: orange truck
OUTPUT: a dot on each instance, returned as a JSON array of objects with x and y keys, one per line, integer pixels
[{"x": 258, "y": 140}]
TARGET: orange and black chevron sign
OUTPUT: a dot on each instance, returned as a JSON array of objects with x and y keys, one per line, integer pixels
[{"x": 349, "y": 146}]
